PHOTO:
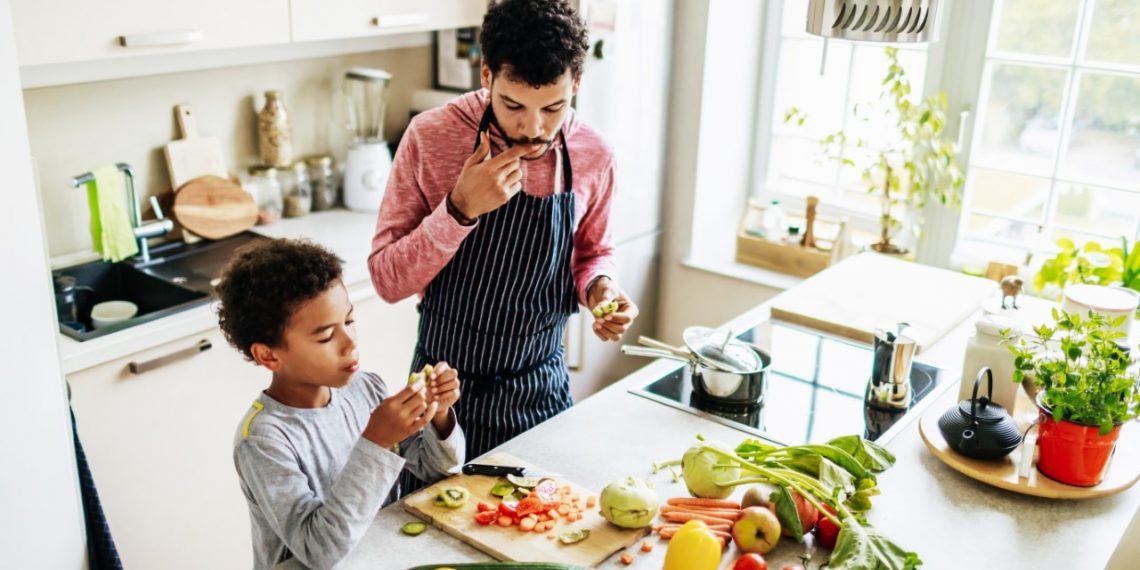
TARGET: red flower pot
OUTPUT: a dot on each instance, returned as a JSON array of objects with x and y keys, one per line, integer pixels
[{"x": 1072, "y": 453}]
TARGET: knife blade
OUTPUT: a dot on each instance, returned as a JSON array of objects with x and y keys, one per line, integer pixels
[{"x": 504, "y": 470}]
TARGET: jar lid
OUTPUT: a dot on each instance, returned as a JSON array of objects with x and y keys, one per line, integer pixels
[
  {"x": 263, "y": 170},
  {"x": 319, "y": 161}
]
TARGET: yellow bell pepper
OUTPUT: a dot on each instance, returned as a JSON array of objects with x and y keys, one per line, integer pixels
[{"x": 693, "y": 547}]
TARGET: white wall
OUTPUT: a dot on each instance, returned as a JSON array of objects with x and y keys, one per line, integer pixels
[
  {"x": 711, "y": 117},
  {"x": 40, "y": 513},
  {"x": 74, "y": 128}
]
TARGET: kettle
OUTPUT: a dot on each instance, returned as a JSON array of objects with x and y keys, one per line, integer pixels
[
  {"x": 889, "y": 387},
  {"x": 979, "y": 428}
]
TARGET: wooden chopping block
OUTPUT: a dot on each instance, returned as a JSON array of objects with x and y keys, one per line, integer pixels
[
  {"x": 192, "y": 156},
  {"x": 214, "y": 207}
]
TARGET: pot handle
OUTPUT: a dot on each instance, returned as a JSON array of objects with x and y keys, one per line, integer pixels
[{"x": 990, "y": 391}]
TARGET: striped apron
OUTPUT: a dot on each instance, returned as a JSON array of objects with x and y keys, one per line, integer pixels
[{"x": 497, "y": 312}]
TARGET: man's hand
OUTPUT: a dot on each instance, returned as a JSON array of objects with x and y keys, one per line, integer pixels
[
  {"x": 399, "y": 416},
  {"x": 612, "y": 325},
  {"x": 444, "y": 390},
  {"x": 483, "y": 186}
]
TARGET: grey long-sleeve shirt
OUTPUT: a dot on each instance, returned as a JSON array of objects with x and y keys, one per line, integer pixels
[{"x": 314, "y": 485}]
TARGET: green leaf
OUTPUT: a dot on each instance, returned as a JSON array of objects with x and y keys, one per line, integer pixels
[
  {"x": 861, "y": 547},
  {"x": 786, "y": 511},
  {"x": 873, "y": 457}
]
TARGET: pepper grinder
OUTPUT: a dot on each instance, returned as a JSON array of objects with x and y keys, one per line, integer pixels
[{"x": 809, "y": 232}]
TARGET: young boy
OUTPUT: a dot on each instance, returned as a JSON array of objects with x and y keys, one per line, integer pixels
[{"x": 321, "y": 450}]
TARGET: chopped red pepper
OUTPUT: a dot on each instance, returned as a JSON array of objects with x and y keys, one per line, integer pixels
[
  {"x": 486, "y": 517},
  {"x": 531, "y": 505}
]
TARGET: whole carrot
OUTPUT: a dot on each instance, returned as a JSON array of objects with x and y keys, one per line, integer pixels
[
  {"x": 695, "y": 502},
  {"x": 731, "y": 514},
  {"x": 686, "y": 517}
]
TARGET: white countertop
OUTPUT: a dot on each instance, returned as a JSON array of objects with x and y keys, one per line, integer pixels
[{"x": 348, "y": 234}]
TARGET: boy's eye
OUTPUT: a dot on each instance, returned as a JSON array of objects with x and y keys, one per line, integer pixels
[
  {"x": 350, "y": 321},
  {"x": 326, "y": 340},
  {"x": 514, "y": 107},
  {"x": 555, "y": 110}
]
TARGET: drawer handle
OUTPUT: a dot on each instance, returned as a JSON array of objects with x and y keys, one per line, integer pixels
[
  {"x": 148, "y": 365},
  {"x": 168, "y": 38},
  {"x": 400, "y": 20}
]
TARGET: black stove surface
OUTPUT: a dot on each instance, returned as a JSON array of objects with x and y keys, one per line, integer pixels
[{"x": 814, "y": 390}]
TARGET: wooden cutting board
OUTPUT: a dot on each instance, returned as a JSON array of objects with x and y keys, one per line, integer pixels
[
  {"x": 868, "y": 291},
  {"x": 214, "y": 207},
  {"x": 192, "y": 156},
  {"x": 510, "y": 544}
]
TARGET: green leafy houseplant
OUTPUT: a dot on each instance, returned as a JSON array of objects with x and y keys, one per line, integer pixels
[
  {"x": 921, "y": 164},
  {"x": 1080, "y": 369},
  {"x": 1090, "y": 263}
]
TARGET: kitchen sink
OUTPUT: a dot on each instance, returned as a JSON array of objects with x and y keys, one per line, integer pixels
[{"x": 179, "y": 276}]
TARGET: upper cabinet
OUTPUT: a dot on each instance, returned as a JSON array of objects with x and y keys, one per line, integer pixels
[
  {"x": 338, "y": 19},
  {"x": 62, "y": 31}
]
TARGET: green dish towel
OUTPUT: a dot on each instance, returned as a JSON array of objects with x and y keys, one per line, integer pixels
[{"x": 111, "y": 232}]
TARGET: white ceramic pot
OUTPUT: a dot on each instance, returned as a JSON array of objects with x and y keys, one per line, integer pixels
[{"x": 1112, "y": 302}]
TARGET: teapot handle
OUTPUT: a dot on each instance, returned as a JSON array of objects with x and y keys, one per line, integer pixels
[{"x": 990, "y": 389}]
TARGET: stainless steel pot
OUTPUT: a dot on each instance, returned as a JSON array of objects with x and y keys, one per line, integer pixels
[{"x": 733, "y": 388}]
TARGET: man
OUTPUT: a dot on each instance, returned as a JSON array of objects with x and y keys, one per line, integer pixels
[{"x": 497, "y": 213}]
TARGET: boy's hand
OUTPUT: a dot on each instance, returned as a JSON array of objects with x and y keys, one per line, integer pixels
[
  {"x": 443, "y": 389},
  {"x": 399, "y": 416}
]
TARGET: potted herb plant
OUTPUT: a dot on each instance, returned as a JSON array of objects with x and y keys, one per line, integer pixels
[
  {"x": 1085, "y": 393},
  {"x": 921, "y": 164}
]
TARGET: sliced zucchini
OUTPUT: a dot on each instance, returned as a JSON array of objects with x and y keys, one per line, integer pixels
[
  {"x": 503, "y": 488},
  {"x": 413, "y": 528},
  {"x": 574, "y": 536},
  {"x": 524, "y": 482}
]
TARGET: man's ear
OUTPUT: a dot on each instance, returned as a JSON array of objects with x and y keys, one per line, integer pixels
[
  {"x": 485, "y": 75},
  {"x": 265, "y": 356}
]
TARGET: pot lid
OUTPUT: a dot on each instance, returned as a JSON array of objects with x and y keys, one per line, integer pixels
[
  {"x": 985, "y": 410},
  {"x": 722, "y": 350}
]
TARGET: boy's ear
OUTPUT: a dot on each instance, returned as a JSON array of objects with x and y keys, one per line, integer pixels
[{"x": 265, "y": 356}]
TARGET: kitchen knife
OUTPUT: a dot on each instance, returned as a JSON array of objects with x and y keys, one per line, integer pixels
[{"x": 504, "y": 470}]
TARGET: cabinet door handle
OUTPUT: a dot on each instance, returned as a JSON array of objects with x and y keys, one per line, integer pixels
[
  {"x": 401, "y": 20},
  {"x": 167, "y": 38},
  {"x": 148, "y": 365}
]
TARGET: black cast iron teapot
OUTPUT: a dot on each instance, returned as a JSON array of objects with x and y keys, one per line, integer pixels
[{"x": 979, "y": 428}]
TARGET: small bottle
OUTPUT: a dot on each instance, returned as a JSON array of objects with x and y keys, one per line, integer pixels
[
  {"x": 298, "y": 193},
  {"x": 274, "y": 134},
  {"x": 775, "y": 228},
  {"x": 985, "y": 349},
  {"x": 323, "y": 178}
]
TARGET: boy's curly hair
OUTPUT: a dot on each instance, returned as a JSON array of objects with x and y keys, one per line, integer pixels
[
  {"x": 538, "y": 39},
  {"x": 264, "y": 285}
]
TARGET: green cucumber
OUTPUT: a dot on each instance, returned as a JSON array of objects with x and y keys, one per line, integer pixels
[
  {"x": 413, "y": 528},
  {"x": 503, "y": 488}
]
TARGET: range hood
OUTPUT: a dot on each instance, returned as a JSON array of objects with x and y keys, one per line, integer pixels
[{"x": 894, "y": 21}]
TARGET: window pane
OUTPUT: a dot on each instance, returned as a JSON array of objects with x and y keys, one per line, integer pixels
[
  {"x": 798, "y": 84},
  {"x": 1038, "y": 27},
  {"x": 1097, "y": 210},
  {"x": 997, "y": 228},
  {"x": 1020, "y": 127},
  {"x": 876, "y": 122},
  {"x": 1105, "y": 143},
  {"x": 1115, "y": 32},
  {"x": 802, "y": 159},
  {"x": 1011, "y": 195}
]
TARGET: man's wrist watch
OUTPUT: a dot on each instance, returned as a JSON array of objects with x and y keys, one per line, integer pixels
[{"x": 455, "y": 213}]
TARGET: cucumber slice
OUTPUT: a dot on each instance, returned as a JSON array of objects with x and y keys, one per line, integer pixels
[
  {"x": 503, "y": 488},
  {"x": 524, "y": 482},
  {"x": 575, "y": 536}
]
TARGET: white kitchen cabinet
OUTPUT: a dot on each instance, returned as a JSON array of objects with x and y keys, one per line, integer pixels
[
  {"x": 325, "y": 20},
  {"x": 160, "y": 447},
  {"x": 60, "y": 31}
]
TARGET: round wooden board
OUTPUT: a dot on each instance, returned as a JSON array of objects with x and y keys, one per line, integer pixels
[
  {"x": 1123, "y": 469},
  {"x": 214, "y": 207}
]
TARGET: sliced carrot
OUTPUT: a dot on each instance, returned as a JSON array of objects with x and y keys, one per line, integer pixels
[
  {"x": 564, "y": 509},
  {"x": 695, "y": 502},
  {"x": 647, "y": 546},
  {"x": 505, "y": 521},
  {"x": 591, "y": 501},
  {"x": 552, "y": 513},
  {"x": 527, "y": 524},
  {"x": 627, "y": 558}
]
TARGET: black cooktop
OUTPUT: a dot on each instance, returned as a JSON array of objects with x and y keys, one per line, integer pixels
[{"x": 814, "y": 390}]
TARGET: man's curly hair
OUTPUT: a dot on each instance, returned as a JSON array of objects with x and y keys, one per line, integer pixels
[
  {"x": 539, "y": 39},
  {"x": 264, "y": 285}
]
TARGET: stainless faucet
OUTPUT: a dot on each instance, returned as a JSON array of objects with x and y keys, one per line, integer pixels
[{"x": 142, "y": 232}]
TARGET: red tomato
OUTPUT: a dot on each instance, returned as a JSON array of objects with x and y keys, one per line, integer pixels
[
  {"x": 483, "y": 507},
  {"x": 751, "y": 561},
  {"x": 826, "y": 531},
  {"x": 486, "y": 517}
]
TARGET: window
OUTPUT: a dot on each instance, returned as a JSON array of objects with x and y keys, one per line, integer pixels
[
  {"x": 1056, "y": 147},
  {"x": 791, "y": 165}
]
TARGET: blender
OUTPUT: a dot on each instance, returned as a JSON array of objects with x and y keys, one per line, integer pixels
[{"x": 369, "y": 162}]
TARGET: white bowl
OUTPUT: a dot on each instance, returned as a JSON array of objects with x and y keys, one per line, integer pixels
[{"x": 108, "y": 313}]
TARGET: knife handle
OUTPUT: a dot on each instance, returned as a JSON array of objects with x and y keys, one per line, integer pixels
[{"x": 491, "y": 470}]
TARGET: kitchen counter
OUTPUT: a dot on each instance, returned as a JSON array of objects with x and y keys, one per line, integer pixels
[
  {"x": 951, "y": 521},
  {"x": 348, "y": 234}
]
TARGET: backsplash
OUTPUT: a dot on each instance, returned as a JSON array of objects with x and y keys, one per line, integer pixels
[{"x": 74, "y": 128}]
